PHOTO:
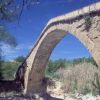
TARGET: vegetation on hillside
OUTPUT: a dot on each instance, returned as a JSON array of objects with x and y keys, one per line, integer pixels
[
  {"x": 20, "y": 59},
  {"x": 8, "y": 69},
  {"x": 53, "y": 66},
  {"x": 78, "y": 75},
  {"x": 10, "y": 10}
]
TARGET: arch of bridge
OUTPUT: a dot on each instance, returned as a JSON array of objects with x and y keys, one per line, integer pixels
[{"x": 56, "y": 29}]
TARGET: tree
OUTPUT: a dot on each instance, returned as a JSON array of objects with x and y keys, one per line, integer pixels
[
  {"x": 7, "y": 38},
  {"x": 10, "y": 9},
  {"x": 20, "y": 59},
  {"x": 53, "y": 66}
]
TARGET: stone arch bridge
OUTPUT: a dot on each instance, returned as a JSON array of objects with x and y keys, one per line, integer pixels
[{"x": 83, "y": 23}]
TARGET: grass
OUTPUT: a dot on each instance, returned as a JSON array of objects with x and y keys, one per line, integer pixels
[{"x": 78, "y": 78}]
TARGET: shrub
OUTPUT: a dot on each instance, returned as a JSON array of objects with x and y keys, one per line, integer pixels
[
  {"x": 88, "y": 22},
  {"x": 20, "y": 59},
  {"x": 9, "y": 69},
  {"x": 78, "y": 77},
  {"x": 53, "y": 66}
]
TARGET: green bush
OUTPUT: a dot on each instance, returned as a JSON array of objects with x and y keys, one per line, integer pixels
[
  {"x": 20, "y": 59},
  {"x": 88, "y": 22},
  {"x": 81, "y": 60},
  {"x": 9, "y": 69},
  {"x": 53, "y": 66}
]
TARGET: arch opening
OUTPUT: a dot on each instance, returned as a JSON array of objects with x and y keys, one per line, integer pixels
[{"x": 78, "y": 70}]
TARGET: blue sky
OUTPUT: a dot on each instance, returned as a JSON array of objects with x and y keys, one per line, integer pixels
[{"x": 32, "y": 22}]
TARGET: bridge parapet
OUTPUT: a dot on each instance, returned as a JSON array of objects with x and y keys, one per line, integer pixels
[{"x": 80, "y": 12}]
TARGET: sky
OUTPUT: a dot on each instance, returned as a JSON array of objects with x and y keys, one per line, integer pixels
[{"x": 32, "y": 22}]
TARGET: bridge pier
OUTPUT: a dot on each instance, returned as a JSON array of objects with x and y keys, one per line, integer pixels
[{"x": 39, "y": 88}]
